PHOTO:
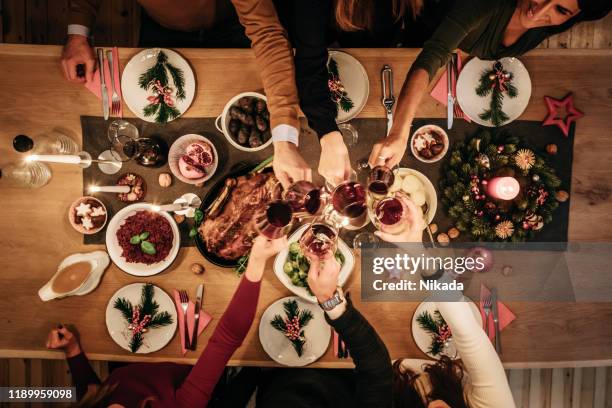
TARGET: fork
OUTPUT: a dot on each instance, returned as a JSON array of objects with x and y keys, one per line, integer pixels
[
  {"x": 458, "y": 113},
  {"x": 184, "y": 304},
  {"x": 116, "y": 102},
  {"x": 487, "y": 305}
]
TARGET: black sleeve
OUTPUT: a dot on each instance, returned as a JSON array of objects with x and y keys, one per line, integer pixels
[
  {"x": 309, "y": 30},
  {"x": 374, "y": 376},
  {"x": 82, "y": 374}
]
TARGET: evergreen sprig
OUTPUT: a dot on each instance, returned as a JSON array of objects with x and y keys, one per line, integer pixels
[
  {"x": 340, "y": 97},
  {"x": 135, "y": 342},
  {"x": 125, "y": 307},
  {"x": 292, "y": 311},
  {"x": 487, "y": 86},
  {"x": 432, "y": 325}
]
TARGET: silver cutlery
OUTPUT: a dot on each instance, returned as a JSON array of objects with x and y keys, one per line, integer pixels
[
  {"x": 498, "y": 347},
  {"x": 486, "y": 305},
  {"x": 198, "y": 307},
  {"x": 116, "y": 101},
  {"x": 103, "y": 90},
  {"x": 388, "y": 100},
  {"x": 450, "y": 100},
  {"x": 457, "y": 109},
  {"x": 184, "y": 305}
]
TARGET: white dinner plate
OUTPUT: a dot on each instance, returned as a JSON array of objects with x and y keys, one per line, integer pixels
[
  {"x": 423, "y": 338},
  {"x": 354, "y": 78},
  {"x": 178, "y": 149},
  {"x": 136, "y": 98},
  {"x": 317, "y": 333},
  {"x": 281, "y": 257},
  {"x": 115, "y": 251},
  {"x": 473, "y": 105},
  {"x": 154, "y": 339}
]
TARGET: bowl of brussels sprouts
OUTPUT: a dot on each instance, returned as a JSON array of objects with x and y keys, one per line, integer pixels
[{"x": 291, "y": 266}]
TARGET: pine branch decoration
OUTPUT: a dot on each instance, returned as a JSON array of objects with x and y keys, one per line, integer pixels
[
  {"x": 292, "y": 326},
  {"x": 338, "y": 92},
  {"x": 496, "y": 82},
  {"x": 437, "y": 327}
]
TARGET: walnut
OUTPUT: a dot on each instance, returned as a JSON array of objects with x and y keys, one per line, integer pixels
[
  {"x": 197, "y": 268},
  {"x": 551, "y": 149},
  {"x": 453, "y": 233},
  {"x": 562, "y": 196},
  {"x": 433, "y": 228},
  {"x": 443, "y": 239},
  {"x": 179, "y": 218},
  {"x": 165, "y": 180}
]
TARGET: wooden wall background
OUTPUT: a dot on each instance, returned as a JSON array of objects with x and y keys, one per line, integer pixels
[{"x": 44, "y": 22}]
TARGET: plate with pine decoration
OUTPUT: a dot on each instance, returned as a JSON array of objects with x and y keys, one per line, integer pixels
[
  {"x": 150, "y": 300},
  {"x": 485, "y": 106},
  {"x": 348, "y": 84},
  {"x": 158, "y": 85},
  {"x": 312, "y": 331}
]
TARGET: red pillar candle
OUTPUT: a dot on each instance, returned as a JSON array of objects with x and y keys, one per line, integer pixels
[{"x": 503, "y": 188}]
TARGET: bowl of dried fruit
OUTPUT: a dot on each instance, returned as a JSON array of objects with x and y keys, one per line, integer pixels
[{"x": 429, "y": 143}]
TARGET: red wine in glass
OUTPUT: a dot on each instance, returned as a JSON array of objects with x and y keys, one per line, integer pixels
[
  {"x": 274, "y": 220},
  {"x": 304, "y": 198},
  {"x": 389, "y": 215},
  {"x": 349, "y": 201},
  {"x": 380, "y": 180},
  {"x": 319, "y": 241}
]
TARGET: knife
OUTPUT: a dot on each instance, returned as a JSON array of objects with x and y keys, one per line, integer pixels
[
  {"x": 103, "y": 90},
  {"x": 496, "y": 320},
  {"x": 388, "y": 100},
  {"x": 450, "y": 101},
  {"x": 198, "y": 307}
]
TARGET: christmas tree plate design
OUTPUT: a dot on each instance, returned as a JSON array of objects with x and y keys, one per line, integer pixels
[
  {"x": 154, "y": 339},
  {"x": 473, "y": 105},
  {"x": 158, "y": 85},
  {"x": 278, "y": 346},
  {"x": 354, "y": 78},
  {"x": 423, "y": 339}
]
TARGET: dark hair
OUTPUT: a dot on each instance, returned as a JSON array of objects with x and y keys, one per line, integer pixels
[
  {"x": 445, "y": 376},
  {"x": 355, "y": 15},
  {"x": 594, "y": 9}
]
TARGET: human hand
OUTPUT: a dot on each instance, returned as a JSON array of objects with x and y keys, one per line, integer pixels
[
  {"x": 77, "y": 51},
  {"x": 414, "y": 220},
  {"x": 323, "y": 278},
  {"x": 388, "y": 151},
  {"x": 63, "y": 339},
  {"x": 289, "y": 166},
  {"x": 334, "y": 164},
  {"x": 264, "y": 248}
]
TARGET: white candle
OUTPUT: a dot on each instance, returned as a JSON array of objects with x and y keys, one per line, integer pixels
[
  {"x": 169, "y": 207},
  {"x": 503, "y": 188},
  {"x": 55, "y": 158},
  {"x": 109, "y": 189}
]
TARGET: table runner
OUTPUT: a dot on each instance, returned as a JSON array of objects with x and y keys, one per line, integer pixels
[{"x": 95, "y": 140}]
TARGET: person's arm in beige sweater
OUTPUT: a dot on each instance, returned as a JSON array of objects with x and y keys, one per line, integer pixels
[{"x": 275, "y": 58}]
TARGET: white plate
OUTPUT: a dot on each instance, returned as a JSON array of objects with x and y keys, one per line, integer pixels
[
  {"x": 281, "y": 257},
  {"x": 354, "y": 78},
  {"x": 154, "y": 339},
  {"x": 423, "y": 338},
  {"x": 178, "y": 149},
  {"x": 473, "y": 105},
  {"x": 431, "y": 197},
  {"x": 136, "y": 98},
  {"x": 317, "y": 333},
  {"x": 114, "y": 250}
]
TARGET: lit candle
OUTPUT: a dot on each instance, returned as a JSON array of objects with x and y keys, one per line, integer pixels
[
  {"x": 55, "y": 158},
  {"x": 503, "y": 188},
  {"x": 109, "y": 189},
  {"x": 169, "y": 207}
]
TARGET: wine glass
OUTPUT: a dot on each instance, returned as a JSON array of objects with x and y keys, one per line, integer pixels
[
  {"x": 274, "y": 220},
  {"x": 349, "y": 134},
  {"x": 380, "y": 180},
  {"x": 389, "y": 215},
  {"x": 349, "y": 206},
  {"x": 319, "y": 240},
  {"x": 305, "y": 199},
  {"x": 123, "y": 138}
]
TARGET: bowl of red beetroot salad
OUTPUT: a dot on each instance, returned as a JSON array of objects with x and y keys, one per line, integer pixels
[{"x": 142, "y": 228}]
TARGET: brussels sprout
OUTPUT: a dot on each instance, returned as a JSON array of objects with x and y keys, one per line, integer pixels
[
  {"x": 294, "y": 248},
  {"x": 340, "y": 257},
  {"x": 287, "y": 267}
]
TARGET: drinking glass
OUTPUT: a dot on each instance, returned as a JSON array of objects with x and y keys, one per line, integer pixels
[
  {"x": 349, "y": 134},
  {"x": 380, "y": 180},
  {"x": 305, "y": 199},
  {"x": 274, "y": 220},
  {"x": 319, "y": 240},
  {"x": 389, "y": 215},
  {"x": 123, "y": 138},
  {"x": 349, "y": 205}
]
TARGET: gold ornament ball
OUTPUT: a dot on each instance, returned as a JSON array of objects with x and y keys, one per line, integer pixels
[
  {"x": 562, "y": 196},
  {"x": 453, "y": 233},
  {"x": 178, "y": 218},
  {"x": 165, "y": 180},
  {"x": 551, "y": 149},
  {"x": 443, "y": 239},
  {"x": 433, "y": 228},
  {"x": 197, "y": 268}
]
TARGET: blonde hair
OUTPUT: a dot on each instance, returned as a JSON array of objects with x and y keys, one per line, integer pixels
[{"x": 355, "y": 15}]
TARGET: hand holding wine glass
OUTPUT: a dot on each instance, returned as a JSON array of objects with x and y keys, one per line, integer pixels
[
  {"x": 323, "y": 277},
  {"x": 414, "y": 220}
]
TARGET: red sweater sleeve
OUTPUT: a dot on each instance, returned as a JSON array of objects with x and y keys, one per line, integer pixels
[{"x": 228, "y": 336}]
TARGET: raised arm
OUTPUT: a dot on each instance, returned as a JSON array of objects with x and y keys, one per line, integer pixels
[
  {"x": 489, "y": 386},
  {"x": 231, "y": 330},
  {"x": 77, "y": 50}
]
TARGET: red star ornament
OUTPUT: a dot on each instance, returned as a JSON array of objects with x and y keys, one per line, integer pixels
[{"x": 554, "y": 105}]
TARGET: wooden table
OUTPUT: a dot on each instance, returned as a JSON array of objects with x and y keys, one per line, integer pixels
[{"x": 35, "y": 234}]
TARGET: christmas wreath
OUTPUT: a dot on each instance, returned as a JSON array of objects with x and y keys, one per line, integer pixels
[{"x": 465, "y": 176}]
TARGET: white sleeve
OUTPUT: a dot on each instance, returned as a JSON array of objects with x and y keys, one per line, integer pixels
[
  {"x": 285, "y": 133},
  {"x": 78, "y": 29},
  {"x": 489, "y": 385}
]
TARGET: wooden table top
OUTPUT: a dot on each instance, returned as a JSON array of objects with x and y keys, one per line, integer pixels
[{"x": 35, "y": 233}]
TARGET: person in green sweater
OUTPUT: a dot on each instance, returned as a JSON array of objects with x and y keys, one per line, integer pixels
[{"x": 488, "y": 29}]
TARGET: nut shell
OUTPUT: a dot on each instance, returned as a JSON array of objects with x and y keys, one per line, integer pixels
[
  {"x": 165, "y": 180},
  {"x": 443, "y": 239},
  {"x": 562, "y": 196},
  {"x": 453, "y": 233},
  {"x": 197, "y": 268},
  {"x": 433, "y": 227},
  {"x": 551, "y": 148}
]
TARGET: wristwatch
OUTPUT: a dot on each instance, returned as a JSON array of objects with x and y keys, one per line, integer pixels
[{"x": 332, "y": 302}]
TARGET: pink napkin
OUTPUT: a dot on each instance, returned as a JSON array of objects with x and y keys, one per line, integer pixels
[
  {"x": 440, "y": 91},
  {"x": 94, "y": 86},
  {"x": 205, "y": 318},
  {"x": 505, "y": 315}
]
